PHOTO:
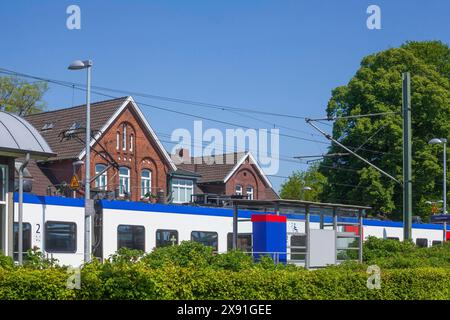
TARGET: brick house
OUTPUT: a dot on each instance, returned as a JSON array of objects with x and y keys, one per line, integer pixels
[
  {"x": 127, "y": 159},
  {"x": 123, "y": 143},
  {"x": 230, "y": 174}
]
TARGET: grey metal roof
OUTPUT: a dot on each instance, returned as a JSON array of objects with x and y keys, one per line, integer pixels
[{"x": 18, "y": 137}]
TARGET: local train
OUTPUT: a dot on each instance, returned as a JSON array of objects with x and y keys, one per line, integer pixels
[{"x": 56, "y": 226}]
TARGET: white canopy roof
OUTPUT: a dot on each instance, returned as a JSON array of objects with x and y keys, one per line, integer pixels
[{"x": 18, "y": 137}]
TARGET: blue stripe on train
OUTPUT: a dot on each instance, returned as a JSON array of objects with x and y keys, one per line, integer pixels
[{"x": 207, "y": 211}]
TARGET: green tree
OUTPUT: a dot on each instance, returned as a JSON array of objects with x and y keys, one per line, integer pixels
[
  {"x": 377, "y": 88},
  {"x": 293, "y": 188},
  {"x": 21, "y": 97}
]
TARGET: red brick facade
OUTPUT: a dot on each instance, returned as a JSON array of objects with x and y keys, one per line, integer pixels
[{"x": 140, "y": 152}]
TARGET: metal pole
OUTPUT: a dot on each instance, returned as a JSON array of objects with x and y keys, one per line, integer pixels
[
  {"x": 445, "y": 186},
  {"x": 235, "y": 226},
  {"x": 307, "y": 264},
  {"x": 335, "y": 219},
  {"x": 87, "y": 165},
  {"x": 407, "y": 180},
  {"x": 361, "y": 230},
  {"x": 20, "y": 233}
]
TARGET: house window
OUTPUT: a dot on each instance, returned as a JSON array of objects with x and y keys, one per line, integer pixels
[
  {"x": 238, "y": 190},
  {"x": 182, "y": 190},
  {"x": 124, "y": 181},
  {"x": 101, "y": 181},
  {"x": 210, "y": 239},
  {"x": 131, "y": 142},
  {"x": 131, "y": 237},
  {"x": 124, "y": 136},
  {"x": 146, "y": 182},
  {"x": 60, "y": 237},
  {"x": 26, "y": 239},
  {"x": 166, "y": 238},
  {"x": 118, "y": 140},
  {"x": 250, "y": 193}
]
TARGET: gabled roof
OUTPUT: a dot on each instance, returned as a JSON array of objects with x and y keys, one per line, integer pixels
[
  {"x": 63, "y": 119},
  {"x": 103, "y": 114},
  {"x": 222, "y": 172}
]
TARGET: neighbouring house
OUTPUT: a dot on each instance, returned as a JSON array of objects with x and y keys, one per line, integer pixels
[
  {"x": 229, "y": 174},
  {"x": 128, "y": 160}
]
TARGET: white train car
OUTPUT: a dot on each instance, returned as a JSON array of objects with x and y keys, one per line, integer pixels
[
  {"x": 147, "y": 226},
  {"x": 56, "y": 226}
]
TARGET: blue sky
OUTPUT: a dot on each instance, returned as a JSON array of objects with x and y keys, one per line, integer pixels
[{"x": 276, "y": 56}]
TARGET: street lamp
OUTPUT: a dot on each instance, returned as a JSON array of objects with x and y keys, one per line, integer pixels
[
  {"x": 88, "y": 205},
  {"x": 443, "y": 141},
  {"x": 306, "y": 188}
]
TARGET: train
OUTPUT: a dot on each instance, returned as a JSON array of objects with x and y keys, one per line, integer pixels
[{"x": 56, "y": 226}]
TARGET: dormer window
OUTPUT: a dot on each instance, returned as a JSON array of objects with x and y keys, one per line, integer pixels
[{"x": 47, "y": 126}]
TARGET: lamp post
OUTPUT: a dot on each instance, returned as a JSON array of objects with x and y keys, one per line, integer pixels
[
  {"x": 88, "y": 205},
  {"x": 443, "y": 141},
  {"x": 306, "y": 188}
]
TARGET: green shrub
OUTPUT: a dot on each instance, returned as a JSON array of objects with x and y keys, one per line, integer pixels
[{"x": 192, "y": 271}]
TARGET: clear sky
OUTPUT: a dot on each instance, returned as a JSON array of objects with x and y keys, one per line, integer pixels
[{"x": 275, "y": 56}]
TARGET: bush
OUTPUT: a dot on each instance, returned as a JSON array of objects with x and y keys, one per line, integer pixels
[{"x": 192, "y": 271}]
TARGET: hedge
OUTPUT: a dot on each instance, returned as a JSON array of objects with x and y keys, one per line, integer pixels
[
  {"x": 192, "y": 271},
  {"x": 173, "y": 282}
]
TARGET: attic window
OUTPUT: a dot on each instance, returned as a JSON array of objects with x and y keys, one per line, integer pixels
[
  {"x": 73, "y": 127},
  {"x": 48, "y": 126}
]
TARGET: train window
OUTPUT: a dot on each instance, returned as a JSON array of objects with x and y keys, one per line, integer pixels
[
  {"x": 436, "y": 243},
  {"x": 166, "y": 238},
  {"x": 244, "y": 241},
  {"x": 298, "y": 253},
  {"x": 422, "y": 242},
  {"x": 131, "y": 237},
  {"x": 60, "y": 237},
  {"x": 393, "y": 238},
  {"x": 26, "y": 238},
  {"x": 206, "y": 238}
]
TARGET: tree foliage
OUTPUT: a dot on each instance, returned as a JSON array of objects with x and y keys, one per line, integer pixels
[
  {"x": 293, "y": 188},
  {"x": 377, "y": 88},
  {"x": 21, "y": 97}
]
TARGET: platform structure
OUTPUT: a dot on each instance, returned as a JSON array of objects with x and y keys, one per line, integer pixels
[
  {"x": 20, "y": 142},
  {"x": 338, "y": 236}
]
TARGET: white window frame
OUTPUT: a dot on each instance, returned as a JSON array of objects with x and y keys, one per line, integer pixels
[
  {"x": 124, "y": 136},
  {"x": 183, "y": 187},
  {"x": 146, "y": 182},
  {"x": 103, "y": 176},
  {"x": 118, "y": 140},
  {"x": 131, "y": 142},
  {"x": 124, "y": 186},
  {"x": 251, "y": 193},
  {"x": 238, "y": 190}
]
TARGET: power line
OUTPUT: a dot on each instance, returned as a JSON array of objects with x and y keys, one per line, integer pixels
[
  {"x": 81, "y": 88},
  {"x": 164, "y": 98}
]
